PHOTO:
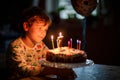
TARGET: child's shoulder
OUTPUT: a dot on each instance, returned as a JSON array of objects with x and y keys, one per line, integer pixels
[{"x": 16, "y": 41}]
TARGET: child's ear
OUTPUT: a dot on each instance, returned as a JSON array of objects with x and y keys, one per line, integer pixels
[{"x": 25, "y": 26}]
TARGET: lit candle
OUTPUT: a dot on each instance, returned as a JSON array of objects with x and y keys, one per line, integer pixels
[
  {"x": 71, "y": 42},
  {"x": 60, "y": 34},
  {"x": 79, "y": 44},
  {"x": 52, "y": 41},
  {"x": 59, "y": 39}
]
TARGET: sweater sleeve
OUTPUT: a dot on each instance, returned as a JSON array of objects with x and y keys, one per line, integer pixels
[
  {"x": 44, "y": 51},
  {"x": 19, "y": 64}
]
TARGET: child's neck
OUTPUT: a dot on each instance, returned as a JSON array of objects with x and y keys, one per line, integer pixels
[{"x": 28, "y": 42}]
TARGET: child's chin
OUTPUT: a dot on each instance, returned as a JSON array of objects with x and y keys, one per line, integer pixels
[{"x": 38, "y": 41}]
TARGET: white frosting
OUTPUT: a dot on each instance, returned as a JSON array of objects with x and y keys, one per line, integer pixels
[{"x": 67, "y": 51}]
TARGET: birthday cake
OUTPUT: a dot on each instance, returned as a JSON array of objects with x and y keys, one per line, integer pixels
[{"x": 66, "y": 55}]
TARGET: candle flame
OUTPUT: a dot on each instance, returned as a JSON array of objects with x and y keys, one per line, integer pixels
[
  {"x": 77, "y": 41},
  {"x": 78, "y": 44},
  {"x": 60, "y": 34},
  {"x": 52, "y": 41},
  {"x": 68, "y": 44},
  {"x": 52, "y": 37},
  {"x": 70, "y": 39}
]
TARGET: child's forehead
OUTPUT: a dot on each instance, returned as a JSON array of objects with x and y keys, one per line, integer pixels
[{"x": 39, "y": 21}]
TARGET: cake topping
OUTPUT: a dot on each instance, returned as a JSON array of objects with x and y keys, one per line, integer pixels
[{"x": 66, "y": 50}]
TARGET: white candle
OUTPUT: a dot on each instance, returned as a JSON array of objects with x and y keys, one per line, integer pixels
[
  {"x": 59, "y": 39},
  {"x": 60, "y": 35},
  {"x": 52, "y": 41}
]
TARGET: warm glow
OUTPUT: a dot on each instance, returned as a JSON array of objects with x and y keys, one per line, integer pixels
[
  {"x": 52, "y": 37},
  {"x": 60, "y": 34},
  {"x": 77, "y": 41},
  {"x": 52, "y": 41},
  {"x": 71, "y": 42},
  {"x": 78, "y": 44},
  {"x": 59, "y": 40}
]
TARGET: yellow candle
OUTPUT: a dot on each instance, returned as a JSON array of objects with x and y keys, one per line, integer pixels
[{"x": 52, "y": 41}]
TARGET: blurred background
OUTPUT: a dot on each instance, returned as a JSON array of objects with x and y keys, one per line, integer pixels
[{"x": 102, "y": 27}]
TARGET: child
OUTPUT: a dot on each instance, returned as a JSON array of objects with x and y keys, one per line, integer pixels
[{"x": 24, "y": 53}]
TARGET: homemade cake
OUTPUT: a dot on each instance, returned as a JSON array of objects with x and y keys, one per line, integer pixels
[{"x": 66, "y": 55}]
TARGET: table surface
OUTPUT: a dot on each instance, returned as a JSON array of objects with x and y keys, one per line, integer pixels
[
  {"x": 98, "y": 72},
  {"x": 92, "y": 72}
]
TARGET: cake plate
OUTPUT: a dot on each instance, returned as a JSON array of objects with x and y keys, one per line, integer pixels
[{"x": 44, "y": 62}]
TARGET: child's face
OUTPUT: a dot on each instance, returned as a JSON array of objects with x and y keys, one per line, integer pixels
[{"x": 37, "y": 31}]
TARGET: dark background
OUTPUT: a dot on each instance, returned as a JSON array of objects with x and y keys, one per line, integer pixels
[{"x": 102, "y": 32}]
